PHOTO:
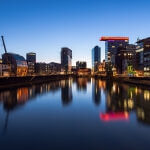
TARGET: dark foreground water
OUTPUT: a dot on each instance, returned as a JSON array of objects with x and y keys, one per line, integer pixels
[{"x": 78, "y": 114}]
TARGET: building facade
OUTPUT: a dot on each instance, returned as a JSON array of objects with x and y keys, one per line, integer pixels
[
  {"x": 96, "y": 58},
  {"x": 111, "y": 47},
  {"x": 143, "y": 55},
  {"x": 81, "y": 65},
  {"x": 55, "y": 67},
  {"x": 16, "y": 64},
  {"x": 126, "y": 60},
  {"x": 31, "y": 60},
  {"x": 42, "y": 69},
  {"x": 66, "y": 59},
  {"x": 31, "y": 57}
]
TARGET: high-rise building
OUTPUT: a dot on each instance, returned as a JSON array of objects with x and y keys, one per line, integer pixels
[
  {"x": 111, "y": 47},
  {"x": 31, "y": 60},
  {"x": 96, "y": 58},
  {"x": 144, "y": 54},
  {"x": 31, "y": 57},
  {"x": 126, "y": 60},
  {"x": 66, "y": 59}
]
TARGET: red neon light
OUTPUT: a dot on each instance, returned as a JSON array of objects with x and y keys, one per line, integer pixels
[
  {"x": 114, "y": 116},
  {"x": 107, "y": 38}
]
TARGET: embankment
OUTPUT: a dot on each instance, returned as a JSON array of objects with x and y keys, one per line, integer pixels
[{"x": 10, "y": 82}]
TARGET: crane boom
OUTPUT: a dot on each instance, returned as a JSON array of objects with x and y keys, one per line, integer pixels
[{"x": 4, "y": 44}]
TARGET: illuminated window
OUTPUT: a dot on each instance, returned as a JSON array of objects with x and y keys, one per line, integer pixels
[{"x": 147, "y": 46}]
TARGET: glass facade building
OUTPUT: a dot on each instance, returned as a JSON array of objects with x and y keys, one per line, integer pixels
[
  {"x": 144, "y": 51},
  {"x": 17, "y": 62},
  {"x": 111, "y": 47},
  {"x": 66, "y": 59},
  {"x": 96, "y": 58},
  {"x": 31, "y": 57},
  {"x": 31, "y": 60}
]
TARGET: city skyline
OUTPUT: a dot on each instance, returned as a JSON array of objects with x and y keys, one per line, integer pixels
[{"x": 44, "y": 27}]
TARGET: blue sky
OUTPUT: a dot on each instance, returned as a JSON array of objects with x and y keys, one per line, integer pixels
[{"x": 44, "y": 26}]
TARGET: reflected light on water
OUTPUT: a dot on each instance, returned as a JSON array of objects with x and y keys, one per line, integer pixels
[{"x": 106, "y": 117}]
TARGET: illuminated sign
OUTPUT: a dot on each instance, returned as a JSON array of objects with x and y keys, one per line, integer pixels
[{"x": 107, "y": 38}]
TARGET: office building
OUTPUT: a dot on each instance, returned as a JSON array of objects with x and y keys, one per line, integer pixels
[
  {"x": 96, "y": 58},
  {"x": 139, "y": 60},
  {"x": 111, "y": 47},
  {"x": 55, "y": 67},
  {"x": 31, "y": 57},
  {"x": 143, "y": 55},
  {"x": 42, "y": 68},
  {"x": 31, "y": 60},
  {"x": 66, "y": 59},
  {"x": 126, "y": 60}
]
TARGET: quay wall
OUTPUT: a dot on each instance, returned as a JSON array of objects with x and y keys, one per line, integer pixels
[{"x": 10, "y": 82}]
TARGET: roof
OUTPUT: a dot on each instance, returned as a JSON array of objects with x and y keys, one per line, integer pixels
[
  {"x": 31, "y": 53},
  {"x": 16, "y": 56},
  {"x": 144, "y": 40},
  {"x": 109, "y": 38}
]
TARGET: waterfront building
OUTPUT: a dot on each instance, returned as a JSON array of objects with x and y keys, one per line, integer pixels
[
  {"x": 111, "y": 47},
  {"x": 74, "y": 70},
  {"x": 15, "y": 64},
  {"x": 66, "y": 59},
  {"x": 55, "y": 67},
  {"x": 126, "y": 60},
  {"x": 42, "y": 69},
  {"x": 83, "y": 72},
  {"x": 143, "y": 55},
  {"x": 31, "y": 60},
  {"x": 31, "y": 57},
  {"x": 139, "y": 60},
  {"x": 102, "y": 68},
  {"x": 96, "y": 58},
  {"x": 81, "y": 65}
]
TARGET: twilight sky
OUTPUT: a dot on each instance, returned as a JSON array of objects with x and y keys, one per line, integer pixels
[{"x": 44, "y": 26}]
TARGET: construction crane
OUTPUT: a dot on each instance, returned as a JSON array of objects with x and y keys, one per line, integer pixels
[{"x": 4, "y": 44}]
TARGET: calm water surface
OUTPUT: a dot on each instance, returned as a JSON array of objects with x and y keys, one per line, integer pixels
[{"x": 78, "y": 114}]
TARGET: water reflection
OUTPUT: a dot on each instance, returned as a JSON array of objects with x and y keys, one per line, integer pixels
[
  {"x": 82, "y": 83},
  {"x": 96, "y": 92},
  {"x": 66, "y": 91},
  {"x": 120, "y": 99},
  {"x": 123, "y": 99}
]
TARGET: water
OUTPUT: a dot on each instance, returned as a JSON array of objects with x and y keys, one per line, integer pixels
[{"x": 78, "y": 114}]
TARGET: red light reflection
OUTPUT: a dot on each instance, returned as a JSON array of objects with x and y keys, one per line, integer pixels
[{"x": 114, "y": 116}]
